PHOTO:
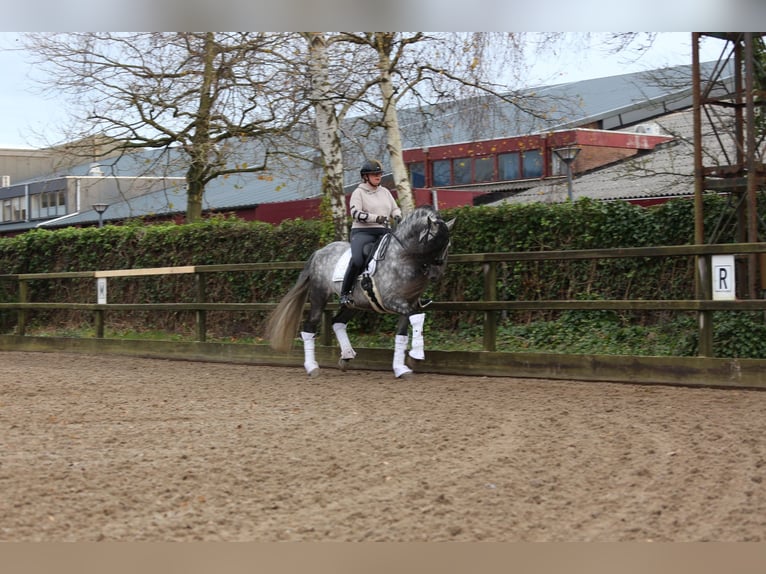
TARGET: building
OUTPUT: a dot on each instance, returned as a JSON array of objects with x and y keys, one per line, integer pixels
[{"x": 611, "y": 120}]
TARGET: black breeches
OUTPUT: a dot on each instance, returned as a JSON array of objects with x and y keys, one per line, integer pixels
[{"x": 360, "y": 238}]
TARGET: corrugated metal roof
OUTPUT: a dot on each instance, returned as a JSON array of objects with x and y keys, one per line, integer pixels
[{"x": 615, "y": 101}]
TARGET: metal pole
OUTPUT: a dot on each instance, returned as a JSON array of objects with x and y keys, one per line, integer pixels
[
  {"x": 750, "y": 151},
  {"x": 702, "y": 271}
]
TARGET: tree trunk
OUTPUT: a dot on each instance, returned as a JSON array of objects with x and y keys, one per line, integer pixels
[
  {"x": 393, "y": 136},
  {"x": 328, "y": 134},
  {"x": 195, "y": 191},
  {"x": 200, "y": 139}
]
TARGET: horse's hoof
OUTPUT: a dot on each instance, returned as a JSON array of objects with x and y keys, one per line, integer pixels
[
  {"x": 417, "y": 355},
  {"x": 403, "y": 372},
  {"x": 344, "y": 364},
  {"x": 313, "y": 373}
]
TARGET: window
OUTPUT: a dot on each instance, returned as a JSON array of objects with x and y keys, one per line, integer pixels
[
  {"x": 14, "y": 209},
  {"x": 417, "y": 174},
  {"x": 442, "y": 172},
  {"x": 484, "y": 169},
  {"x": 19, "y": 208},
  {"x": 462, "y": 170},
  {"x": 60, "y": 202},
  {"x": 533, "y": 163},
  {"x": 48, "y": 204},
  {"x": 508, "y": 166},
  {"x": 7, "y": 210}
]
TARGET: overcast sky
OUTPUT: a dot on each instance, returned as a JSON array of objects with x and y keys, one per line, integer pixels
[{"x": 27, "y": 119}]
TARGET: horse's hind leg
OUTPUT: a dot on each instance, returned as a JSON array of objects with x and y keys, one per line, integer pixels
[
  {"x": 308, "y": 333},
  {"x": 401, "y": 370},
  {"x": 339, "y": 322},
  {"x": 309, "y": 353}
]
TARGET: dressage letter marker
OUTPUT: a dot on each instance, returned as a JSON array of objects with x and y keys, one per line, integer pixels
[
  {"x": 723, "y": 278},
  {"x": 101, "y": 290}
]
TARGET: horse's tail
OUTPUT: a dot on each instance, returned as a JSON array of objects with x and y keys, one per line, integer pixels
[{"x": 282, "y": 324}]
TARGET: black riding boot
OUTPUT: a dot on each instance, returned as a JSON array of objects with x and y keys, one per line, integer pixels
[{"x": 348, "y": 284}]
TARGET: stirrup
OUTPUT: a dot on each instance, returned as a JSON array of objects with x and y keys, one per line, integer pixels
[{"x": 345, "y": 300}]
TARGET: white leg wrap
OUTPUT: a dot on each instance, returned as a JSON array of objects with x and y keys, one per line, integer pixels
[
  {"x": 346, "y": 350},
  {"x": 309, "y": 356},
  {"x": 418, "y": 345},
  {"x": 401, "y": 346}
]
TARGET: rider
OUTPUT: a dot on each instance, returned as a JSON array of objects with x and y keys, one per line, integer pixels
[{"x": 371, "y": 205}]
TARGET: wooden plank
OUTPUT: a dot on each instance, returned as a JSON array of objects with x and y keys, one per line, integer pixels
[
  {"x": 57, "y": 275},
  {"x": 144, "y": 306},
  {"x": 264, "y": 266},
  {"x": 146, "y": 271},
  {"x": 447, "y": 306},
  {"x": 610, "y": 253},
  {"x": 680, "y": 371},
  {"x": 602, "y": 304}
]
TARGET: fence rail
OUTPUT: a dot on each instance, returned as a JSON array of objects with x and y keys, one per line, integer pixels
[{"x": 489, "y": 305}]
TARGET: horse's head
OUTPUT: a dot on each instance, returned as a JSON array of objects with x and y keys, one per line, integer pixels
[{"x": 426, "y": 234}]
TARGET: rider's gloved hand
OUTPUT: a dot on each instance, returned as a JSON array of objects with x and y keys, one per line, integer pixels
[
  {"x": 397, "y": 219},
  {"x": 381, "y": 219}
]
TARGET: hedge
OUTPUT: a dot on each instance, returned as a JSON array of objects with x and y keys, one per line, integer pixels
[{"x": 584, "y": 224}]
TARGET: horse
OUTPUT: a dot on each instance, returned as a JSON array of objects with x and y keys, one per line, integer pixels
[{"x": 401, "y": 266}]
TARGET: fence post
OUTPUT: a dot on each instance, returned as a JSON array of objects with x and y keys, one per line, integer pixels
[
  {"x": 98, "y": 314},
  {"x": 201, "y": 314},
  {"x": 705, "y": 318},
  {"x": 490, "y": 317},
  {"x": 325, "y": 328},
  {"x": 22, "y": 314},
  {"x": 99, "y": 320}
]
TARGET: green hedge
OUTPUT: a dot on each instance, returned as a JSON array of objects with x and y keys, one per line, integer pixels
[{"x": 584, "y": 224}]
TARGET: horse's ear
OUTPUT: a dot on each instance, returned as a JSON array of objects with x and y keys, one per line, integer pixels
[{"x": 451, "y": 222}]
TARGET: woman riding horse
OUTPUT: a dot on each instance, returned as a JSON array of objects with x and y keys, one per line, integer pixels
[
  {"x": 414, "y": 255},
  {"x": 370, "y": 207}
]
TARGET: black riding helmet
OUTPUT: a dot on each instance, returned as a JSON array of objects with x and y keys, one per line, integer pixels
[{"x": 371, "y": 166}]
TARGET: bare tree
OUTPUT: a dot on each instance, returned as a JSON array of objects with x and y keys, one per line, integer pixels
[
  {"x": 216, "y": 99},
  {"x": 228, "y": 102},
  {"x": 336, "y": 88},
  {"x": 468, "y": 72}
]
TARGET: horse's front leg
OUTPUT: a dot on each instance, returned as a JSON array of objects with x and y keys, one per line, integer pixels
[
  {"x": 417, "y": 349},
  {"x": 401, "y": 370},
  {"x": 339, "y": 322}
]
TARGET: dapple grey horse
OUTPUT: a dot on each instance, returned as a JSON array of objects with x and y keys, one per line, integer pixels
[{"x": 405, "y": 261}]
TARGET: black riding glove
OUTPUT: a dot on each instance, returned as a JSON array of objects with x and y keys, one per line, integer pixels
[{"x": 381, "y": 219}]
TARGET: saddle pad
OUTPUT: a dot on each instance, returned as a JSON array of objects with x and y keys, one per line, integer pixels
[{"x": 341, "y": 265}]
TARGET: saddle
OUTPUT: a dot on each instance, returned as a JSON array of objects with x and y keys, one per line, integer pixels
[{"x": 374, "y": 252}]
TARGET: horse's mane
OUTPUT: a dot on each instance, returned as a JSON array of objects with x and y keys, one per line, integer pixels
[{"x": 414, "y": 218}]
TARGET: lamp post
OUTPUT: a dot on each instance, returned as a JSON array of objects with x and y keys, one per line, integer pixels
[
  {"x": 568, "y": 155},
  {"x": 100, "y": 208}
]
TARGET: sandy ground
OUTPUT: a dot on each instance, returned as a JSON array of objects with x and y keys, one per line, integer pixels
[{"x": 118, "y": 449}]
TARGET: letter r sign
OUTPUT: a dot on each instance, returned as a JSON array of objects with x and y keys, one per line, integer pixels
[{"x": 723, "y": 277}]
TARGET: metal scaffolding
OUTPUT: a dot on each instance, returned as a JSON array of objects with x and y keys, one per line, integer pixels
[{"x": 737, "y": 169}]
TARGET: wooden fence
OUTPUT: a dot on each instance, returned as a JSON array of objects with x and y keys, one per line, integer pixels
[{"x": 702, "y": 370}]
